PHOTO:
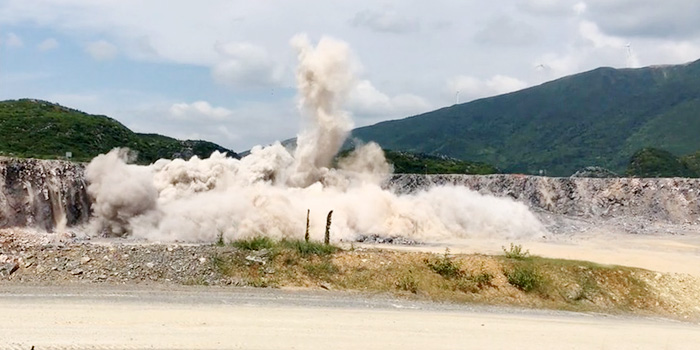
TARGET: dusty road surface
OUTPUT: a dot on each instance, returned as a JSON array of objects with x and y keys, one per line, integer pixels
[{"x": 206, "y": 318}]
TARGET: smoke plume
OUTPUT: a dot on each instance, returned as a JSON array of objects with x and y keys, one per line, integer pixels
[{"x": 269, "y": 191}]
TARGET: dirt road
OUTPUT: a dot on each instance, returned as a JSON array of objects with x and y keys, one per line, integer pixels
[{"x": 199, "y": 318}]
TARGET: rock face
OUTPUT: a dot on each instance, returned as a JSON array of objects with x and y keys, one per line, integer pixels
[
  {"x": 665, "y": 200},
  {"x": 43, "y": 194},
  {"x": 50, "y": 195}
]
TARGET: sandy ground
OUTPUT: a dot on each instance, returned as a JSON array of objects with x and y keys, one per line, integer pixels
[
  {"x": 663, "y": 253},
  {"x": 192, "y": 318}
]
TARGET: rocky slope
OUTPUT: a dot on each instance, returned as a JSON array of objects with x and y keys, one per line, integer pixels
[{"x": 43, "y": 194}]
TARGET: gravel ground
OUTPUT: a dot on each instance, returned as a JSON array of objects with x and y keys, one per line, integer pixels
[{"x": 55, "y": 259}]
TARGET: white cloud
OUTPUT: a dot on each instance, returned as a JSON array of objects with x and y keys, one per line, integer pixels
[
  {"x": 47, "y": 45},
  {"x": 387, "y": 21},
  {"x": 245, "y": 64},
  {"x": 101, "y": 50},
  {"x": 13, "y": 40},
  {"x": 469, "y": 88},
  {"x": 371, "y": 105},
  {"x": 199, "y": 111}
]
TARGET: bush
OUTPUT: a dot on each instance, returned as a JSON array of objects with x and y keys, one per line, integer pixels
[
  {"x": 516, "y": 252},
  {"x": 524, "y": 277},
  {"x": 445, "y": 266},
  {"x": 483, "y": 279}
]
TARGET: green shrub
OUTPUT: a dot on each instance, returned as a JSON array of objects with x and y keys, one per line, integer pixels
[
  {"x": 516, "y": 252},
  {"x": 445, "y": 266},
  {"x": 524, "y": 277},
  {"x": 483, "y": 279}
]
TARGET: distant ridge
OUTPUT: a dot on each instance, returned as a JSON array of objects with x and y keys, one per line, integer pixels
[
  {"x": 597, "y": 118},
  {"x": 40, "y": 129}
]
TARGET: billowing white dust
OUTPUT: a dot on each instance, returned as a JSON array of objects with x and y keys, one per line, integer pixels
[{"x": 269, "y": 191}]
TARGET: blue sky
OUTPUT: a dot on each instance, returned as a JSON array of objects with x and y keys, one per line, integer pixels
[{"x": 222, "y": 70}]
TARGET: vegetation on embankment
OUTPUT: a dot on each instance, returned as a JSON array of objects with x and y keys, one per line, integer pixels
[{"x": 513, "y": 279}]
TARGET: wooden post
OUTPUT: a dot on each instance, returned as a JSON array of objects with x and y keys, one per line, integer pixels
[
  {"x": 327, "y": 238},
  {"x": 306, "y": 236}
]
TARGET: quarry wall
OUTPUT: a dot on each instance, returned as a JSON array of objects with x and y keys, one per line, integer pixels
[
  {"x": 666, "y": 200},
  {"x": 51, "y": 194}
]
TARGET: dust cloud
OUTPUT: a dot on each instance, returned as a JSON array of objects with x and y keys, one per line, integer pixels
[{"x": 269, "y": 191}]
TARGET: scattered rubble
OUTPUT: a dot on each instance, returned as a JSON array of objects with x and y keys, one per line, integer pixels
[
  {"x": 377, "y": 239},
  {"x": 28, "y": 259}
]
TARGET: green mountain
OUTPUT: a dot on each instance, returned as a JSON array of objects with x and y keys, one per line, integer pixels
[
  {"x": 40, "y": 129},
  {"x": 597, "y": 118}
]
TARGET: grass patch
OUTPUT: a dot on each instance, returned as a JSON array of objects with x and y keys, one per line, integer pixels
[
  {"x": 305, "y": 248},
  {"x": 254, "y": 243},
  {"x": 302, "y": 247},
  {"x": 408, "y": 283},
  {"x": 322, "y": 270}
]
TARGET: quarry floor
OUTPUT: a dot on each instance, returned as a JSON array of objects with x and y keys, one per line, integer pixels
[{"x": 214, "y": 318}]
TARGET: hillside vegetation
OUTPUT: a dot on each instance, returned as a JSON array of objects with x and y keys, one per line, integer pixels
[
  {"x": 417, "y": 163},
  {"x": 652, "y": 162},
  {"x": 40, "y": 129},
  {"x": 412, "y": 163},
  {"x": 597, "y": 118}
]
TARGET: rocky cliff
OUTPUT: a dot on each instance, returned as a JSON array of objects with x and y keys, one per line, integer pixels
[{"x": 42, "y": 194}]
